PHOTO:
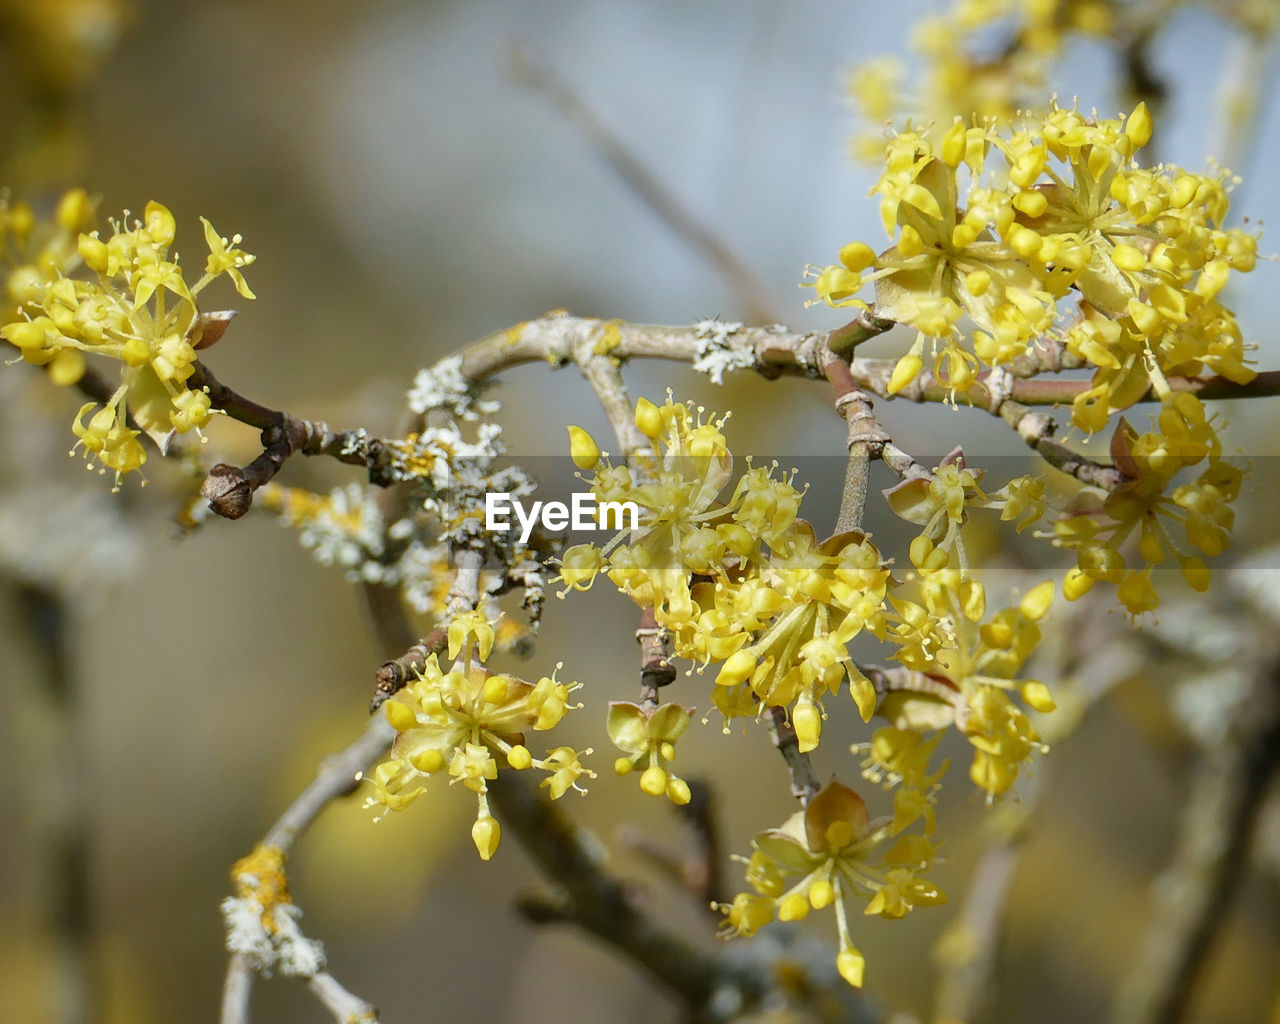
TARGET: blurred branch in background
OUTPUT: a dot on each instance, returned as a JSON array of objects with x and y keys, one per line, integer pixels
[
  {"x": 1091, "y": 662},
  {"x": 57, "y": 806},
  {"x": 1245, "y": 91},
  {"x": 753, "y": 293},
  {"x": 262, "y": 919},
  {"x": 1230, "y": 707}
]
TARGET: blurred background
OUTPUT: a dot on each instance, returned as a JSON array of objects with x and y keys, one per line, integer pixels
[{"x": 406, "y": 193}]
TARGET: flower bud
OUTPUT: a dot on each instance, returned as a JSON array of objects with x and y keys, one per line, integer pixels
[
  {"x": 905, "y": 372},
  {"x": 75, "y": 210},
  {"x": 1139, "y": 126},
  {"x": 1076, "y": 584},
  {"x": 821, "y": 894},
  {"x": 806, "y": 719},
  {"x": 678, "y": 791},
  {"x": 852, "y": 966},
  {"x": 648, "y": 418},
  {"x": 1036, "y": 601},
  {"x": 793, "y": 908},
  {"x": 400, "y": 715},
  {"x": 519, "y": 757},
  {"x": 94, "y": 252},
  {"x": 1037, "y": 696},
  {"x": 429, "y": 761},
  {"x": 159, "y": 223},
  {"x": 857, "y": 256},
  {"x": 486, "y": 834},
  {"x": 654, "y": 781},
  {"x": 582, "y": 449},
  {"x": 737, "y": 669}
]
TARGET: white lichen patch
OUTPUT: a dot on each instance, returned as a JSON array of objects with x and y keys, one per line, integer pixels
[
  {"x": 444, "y": 386},
  {"x": 717, "y": 352}
]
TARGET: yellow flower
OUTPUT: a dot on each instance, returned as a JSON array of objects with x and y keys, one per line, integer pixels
[
  {"x": 472, "y": 723},
  {"x": 224, "y": 259},
  {"x": 1098, "y": 526},
  {"x": 136, "y": 309},
  {"x": 1069, "y": 215},
  {"x": 650, "y": 738},
  {"x": 821, "y": 857}
]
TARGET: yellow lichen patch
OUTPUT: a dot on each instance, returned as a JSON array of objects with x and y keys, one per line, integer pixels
[
  {"x": 610, "y": 338},
  {"x": 260, "y": 877}
]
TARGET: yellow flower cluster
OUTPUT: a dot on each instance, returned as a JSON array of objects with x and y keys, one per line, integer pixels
[
  {"x": 826, "y": 855},
  {"x": 1199, "y": 512},
  {"x": 959, "y": 77},
  {"x": 1064, "y": 211},
  {"x": 467, "y": 722},
  {"x": 137, "y": 308},
  {"x": 978, "y": 661},
  {"x": 940, "y": 502},
  {"x": 994, "y": 58},
  {"x": 1062, "y": 234},
  {"x": 736, "y": 578},
  {"x": 34, "y": 254}
]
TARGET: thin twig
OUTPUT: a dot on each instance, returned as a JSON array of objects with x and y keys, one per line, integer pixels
[
  {"x": 605, "y": 377},
  {"x": 597, "y": 902},
  {"x": 774, "y": 350},
  {"x": 1037, "y": 430},
  {"x": 237, "y": 991},
  {"x": 345, "y": 1007},
  {"x": 866, "y": 440},
  {"x": 397, "y": 672},
  {"x": 656, "y": 670},
  {"x": 229, "y": 489},
  {"x": 337, "y": 776},
  {"x": 699, "y": 873},
  {"x": 804, "y": 784},
  {"x": 865, "y": 326},
  {"x": 703, "y": 871}
]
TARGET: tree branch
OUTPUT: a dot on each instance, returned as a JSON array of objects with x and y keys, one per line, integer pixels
[
  {"x": 775, "y": 350},
  {"x": 804, "y": 784},
  {"x": 229, "y": 489},
  {"x": 337, "y": 776},
  {"x": 600, "y": 904},
  {"x": 866, "y": 441}
]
